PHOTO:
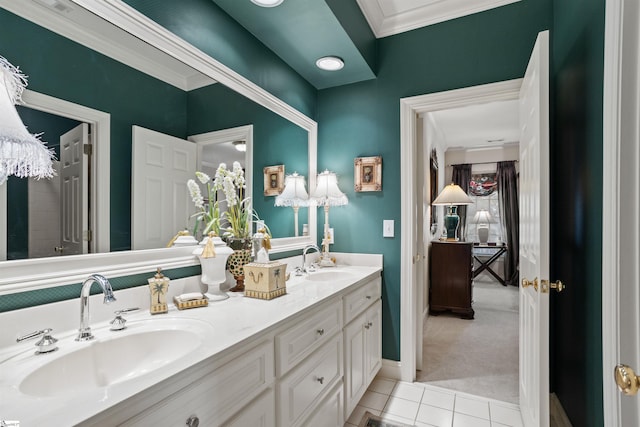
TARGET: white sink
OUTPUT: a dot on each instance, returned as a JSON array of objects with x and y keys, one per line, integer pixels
[
  {"x": 113, "y": 357},
  {"x": 329, "y": 275}
]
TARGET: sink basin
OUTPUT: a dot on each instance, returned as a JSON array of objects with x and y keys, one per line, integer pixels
[
  {"x": 142, "y": 348},
  {"x": 329, "y": 275}
]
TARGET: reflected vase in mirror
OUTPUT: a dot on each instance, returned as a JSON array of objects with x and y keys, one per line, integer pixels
[
  {"x": 213, "y": 254},
  {"x": 240, "y": 256}
]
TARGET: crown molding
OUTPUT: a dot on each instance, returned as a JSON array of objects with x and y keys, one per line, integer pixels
[
  {"x": 107, "y": 40},
  {"x": 439, "y": 11}
]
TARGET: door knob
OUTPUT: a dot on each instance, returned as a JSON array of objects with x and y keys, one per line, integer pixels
[
  {"x": 526, "y": 283},
  {"x": 557, "y": 285},
  {"x": 627, "y": 380}
]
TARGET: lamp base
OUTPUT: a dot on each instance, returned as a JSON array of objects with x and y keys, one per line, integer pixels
[{"x": 451, "y": 222}]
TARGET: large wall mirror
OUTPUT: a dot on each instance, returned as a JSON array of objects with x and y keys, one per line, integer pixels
[{"x": 72, "y": 53}]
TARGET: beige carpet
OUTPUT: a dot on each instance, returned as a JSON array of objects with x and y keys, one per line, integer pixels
[{"x": 478, "y": 356}]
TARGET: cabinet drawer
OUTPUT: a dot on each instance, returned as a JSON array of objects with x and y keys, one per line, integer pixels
[
  {"x": 300, "y": 391},
  {"x": 329, "y": 413},
  {"x": 301, "y": 340},
  {"x": 357, "y": 301},
  {"x": 261, "y": 412},
  {"x": 216, "y": 396}
]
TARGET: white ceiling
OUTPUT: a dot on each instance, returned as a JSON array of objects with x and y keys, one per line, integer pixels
[
  {"x": 478, "y": 126},
  {"x": 388, "y": 17}
]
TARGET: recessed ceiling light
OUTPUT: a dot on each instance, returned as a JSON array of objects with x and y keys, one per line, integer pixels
[
  {"x": 267, "y": 3},
  {"x": 330, "y": 63}
]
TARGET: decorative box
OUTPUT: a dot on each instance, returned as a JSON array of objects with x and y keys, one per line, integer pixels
[{"x": 265, "y": 280}]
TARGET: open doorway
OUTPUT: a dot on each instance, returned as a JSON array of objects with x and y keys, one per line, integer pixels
[{"x": 480, "y": 355}]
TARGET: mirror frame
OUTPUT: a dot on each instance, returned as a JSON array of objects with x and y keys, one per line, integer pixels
[{"x": 39, "y": 273}]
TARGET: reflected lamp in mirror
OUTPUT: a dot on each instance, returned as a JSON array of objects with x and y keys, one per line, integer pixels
[
  {"x": 482, "y": 219},
  {"x": 21, "y": 153},
  {"x": 452, "y": 196},
  {"x": 293, "y": 195},
  {"x": 327, "y": 194},
  {"x": 240, "y": 146}
]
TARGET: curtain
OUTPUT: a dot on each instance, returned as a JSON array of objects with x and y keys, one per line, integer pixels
[
  {"x": 508, "y": 193},
  {"x": 462, "y": 176}
]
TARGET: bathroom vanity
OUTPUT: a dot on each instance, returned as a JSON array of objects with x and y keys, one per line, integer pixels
[{"x": 305, "y": 358}]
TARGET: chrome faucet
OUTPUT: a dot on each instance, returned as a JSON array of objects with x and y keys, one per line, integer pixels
[
  {"x": 301, "y": 270},
  {"x": 84, "y": 333}
]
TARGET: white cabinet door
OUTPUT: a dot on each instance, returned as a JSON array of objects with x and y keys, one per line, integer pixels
[
  {"x": 363, "y": 354},
  {"x": 373, "y": 353},
  {"x": 355, "y": 375}
]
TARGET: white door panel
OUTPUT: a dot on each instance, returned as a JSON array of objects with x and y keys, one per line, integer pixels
[
  {"x": 161, "y": 205},
  {"x": 74, "y": 190},
  {"x": 534, "y": 236}
]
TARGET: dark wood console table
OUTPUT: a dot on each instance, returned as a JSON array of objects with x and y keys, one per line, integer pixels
[{"x": 450, "y": 278}]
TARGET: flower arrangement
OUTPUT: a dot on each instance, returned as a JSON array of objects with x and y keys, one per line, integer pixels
[{"x": 235, "y": 221}]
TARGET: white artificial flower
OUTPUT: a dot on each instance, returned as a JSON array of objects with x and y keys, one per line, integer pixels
[
  {"x": 203, "y": 177},
  {"x": 195, "y": 193},
  {"x": 238, "y": 174},
  {"x": 229, "y": 189}
]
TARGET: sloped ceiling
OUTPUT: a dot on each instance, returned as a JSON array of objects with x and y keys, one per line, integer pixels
[{"x": 301, "y": 31}]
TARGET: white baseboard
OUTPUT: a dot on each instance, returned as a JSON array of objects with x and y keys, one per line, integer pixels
[
  {"x": 558, "y": 416},
  {"x": 390, "y": 369}
]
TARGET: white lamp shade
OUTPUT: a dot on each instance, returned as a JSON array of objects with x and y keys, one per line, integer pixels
[
  {"x": 483, "y": 217},
  {"x": 21, "y": 153},
  {"x": 327, "y": 192},
  {"x": 452, "y": 194},
  {"x": 294, "y": 193}
]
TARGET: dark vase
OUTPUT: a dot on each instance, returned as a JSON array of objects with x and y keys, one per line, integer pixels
[{"x": 235, "y": 263}]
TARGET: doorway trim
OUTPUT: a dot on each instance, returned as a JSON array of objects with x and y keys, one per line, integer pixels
[
  {"x": 620, "y": 162},
  {"x": 100, "y": 184},
  {"x": 410, "y": 107}
]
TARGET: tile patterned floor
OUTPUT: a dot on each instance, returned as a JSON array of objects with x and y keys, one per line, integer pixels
[{"x": 424, "y": 405}]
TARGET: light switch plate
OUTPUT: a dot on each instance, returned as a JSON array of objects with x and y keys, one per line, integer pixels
[{"x": 387, "y": 228}]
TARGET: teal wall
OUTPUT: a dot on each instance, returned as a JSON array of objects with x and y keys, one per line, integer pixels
[
  {"x": 276, "y": 141},
  {"x": 203, "y": 24},
  {"x": 363, "y": 119},
  {"x": 577, "y": 69}
]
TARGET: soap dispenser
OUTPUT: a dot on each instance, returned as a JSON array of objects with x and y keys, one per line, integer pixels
[{"x": 158, "y": 286}]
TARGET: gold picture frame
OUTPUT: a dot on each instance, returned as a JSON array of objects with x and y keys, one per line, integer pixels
[
  {"x": 273, "y": 180},
  {"x": 368, "y": 173}
]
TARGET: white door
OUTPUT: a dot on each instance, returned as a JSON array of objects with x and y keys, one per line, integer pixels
[
  {"x": 534, "y": 236},
  {"x": 621, "y": 213},
  {"x": 161, "y": 205},
  {"x": 74, "y": 191}
]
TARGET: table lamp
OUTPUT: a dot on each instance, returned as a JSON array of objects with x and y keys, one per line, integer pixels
[
  {"x": 452, "y": 196},
  {"x": 294, "y": 195},
  {"x": 482, "y": 219},
  {"x": 327, "y": 194}
]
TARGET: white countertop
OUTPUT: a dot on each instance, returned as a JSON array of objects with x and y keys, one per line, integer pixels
[{"x": 231, "y": 323}]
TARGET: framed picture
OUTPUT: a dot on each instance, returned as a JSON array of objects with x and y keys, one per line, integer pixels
[
  {"x": 273, "y": 180},
  {"x": 368, "y": 173}
]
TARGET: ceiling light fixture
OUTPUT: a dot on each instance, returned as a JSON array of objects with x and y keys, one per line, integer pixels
[
  {"x": 267, "y": 3},
  {"x": 240, "y": 145},
  {"x": 330, "y": 63}
]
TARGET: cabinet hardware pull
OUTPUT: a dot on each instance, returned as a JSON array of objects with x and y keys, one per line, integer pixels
[
  {"x": 367, "y": 325},
  {"x": 320, "y": 380},
  {"x": 320, "y": 331},
  {"x": 368, "y": 297},
  {"x": 193, "y": 421}
]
